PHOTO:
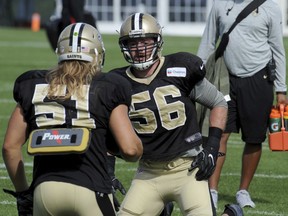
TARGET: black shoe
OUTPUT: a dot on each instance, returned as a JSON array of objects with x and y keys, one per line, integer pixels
[{"x": 233, "y": 210}]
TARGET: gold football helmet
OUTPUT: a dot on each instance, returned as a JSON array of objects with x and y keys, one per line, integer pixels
[
  {"x": 141, "y": 26},
  {"x": 82, "y": 42}
]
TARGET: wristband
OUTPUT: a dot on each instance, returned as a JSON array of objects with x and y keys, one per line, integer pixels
[
  {"x": 111, "y": 165},
  {"x": 213, "y": 142},
  {"x": 283, "y": 92},
  {"x": 215, "y": 132}
]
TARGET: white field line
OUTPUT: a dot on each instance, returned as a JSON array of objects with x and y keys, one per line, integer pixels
[
  {"x": 6, "y": 202},
  {"x": 249, "y": 212},
  {"x": 177, "y": 210},
  {"x": 254, "y": 212},
  {"x": 5, "y": 100},
  {"x": 3, "y": 117},
  {"x": 34, "y": 44},
  {"x": 258, "y": 175},
  {"x": 6, "y": 86},
  {"x": 4, "y": 174},
  {"x": 27, "y": 164}
]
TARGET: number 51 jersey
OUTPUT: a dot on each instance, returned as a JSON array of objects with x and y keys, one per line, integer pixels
[{"x": 91, "y": 111}]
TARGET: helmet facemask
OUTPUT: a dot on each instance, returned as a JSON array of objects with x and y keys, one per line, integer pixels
[{"x": 145, "y": 27}]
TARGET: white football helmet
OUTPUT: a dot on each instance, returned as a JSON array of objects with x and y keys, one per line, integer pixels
[
  {"x": 141, "y": 25},
  {"x": 82, "y": 42}
]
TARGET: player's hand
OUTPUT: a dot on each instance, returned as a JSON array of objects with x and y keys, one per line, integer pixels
[
  {"x": 24, "y": 201},
  {"x": 206, "y": 159},
  {"x": 117, "y": 185},
  {"x": 206, "y": 164}
]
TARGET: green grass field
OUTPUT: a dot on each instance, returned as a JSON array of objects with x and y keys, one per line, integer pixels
[{"x": 23, "y": 50}]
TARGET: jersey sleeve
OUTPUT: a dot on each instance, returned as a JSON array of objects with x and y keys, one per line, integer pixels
[
  {"x": 120, "y": 90},
  {"x": 24, "y": 87},
  {"x": 16, "y": 91},
  {"x": 19, "y": 86},
  {"x": 194, "y": 66}
]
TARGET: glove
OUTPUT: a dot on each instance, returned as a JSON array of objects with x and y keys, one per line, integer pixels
[
  {"x": 24, "y": 201},
  {"x": 168, "y": 208},
  {"x": 116, "y": 184},
  {"x": 206, "y": 159}
]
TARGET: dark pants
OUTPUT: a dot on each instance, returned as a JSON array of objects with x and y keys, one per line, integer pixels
[
  {"x": 250, "y": 105},
  {"x": 72, "y": 9}
]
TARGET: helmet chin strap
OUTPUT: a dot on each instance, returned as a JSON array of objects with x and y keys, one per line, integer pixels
[
  {"x": 148, "y": 63},
  {"x": 143, "y": 66}
]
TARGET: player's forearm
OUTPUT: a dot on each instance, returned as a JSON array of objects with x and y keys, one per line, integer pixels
[
  {"x": 15, "y": 168},
  {"x": 218, "y": 117}
]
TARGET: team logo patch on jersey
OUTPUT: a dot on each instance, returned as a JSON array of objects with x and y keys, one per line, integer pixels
[{"x": 176, "y": 72}]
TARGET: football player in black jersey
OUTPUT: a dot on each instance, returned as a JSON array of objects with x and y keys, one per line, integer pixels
[
  {"x": 175, "y": 165},
  {"x": 70, "y": 113}
]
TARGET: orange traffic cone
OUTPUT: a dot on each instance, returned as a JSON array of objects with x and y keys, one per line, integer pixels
[{"x": 35, "y": 22}]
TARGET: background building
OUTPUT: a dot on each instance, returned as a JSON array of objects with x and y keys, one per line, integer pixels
[{"x": 179, "y": 17}]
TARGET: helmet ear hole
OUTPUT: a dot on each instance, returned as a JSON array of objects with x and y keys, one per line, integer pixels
[
  {"x": 137, "y": 26},
  {"x": 82, "y": 42}
]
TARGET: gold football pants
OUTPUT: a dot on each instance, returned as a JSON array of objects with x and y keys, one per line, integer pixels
[
  {"x": 157, "y": 183},
  {"x": 59, "y": 198}
]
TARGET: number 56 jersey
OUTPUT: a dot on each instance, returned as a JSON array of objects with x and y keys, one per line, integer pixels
[
  {"x": 91, "y": 111},
  {"x": 161, "y": 111}
]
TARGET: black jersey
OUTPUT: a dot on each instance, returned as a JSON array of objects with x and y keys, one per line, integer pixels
[
  {"x": 161, "y": 111},
  {"x": 106, "y": 92}
]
